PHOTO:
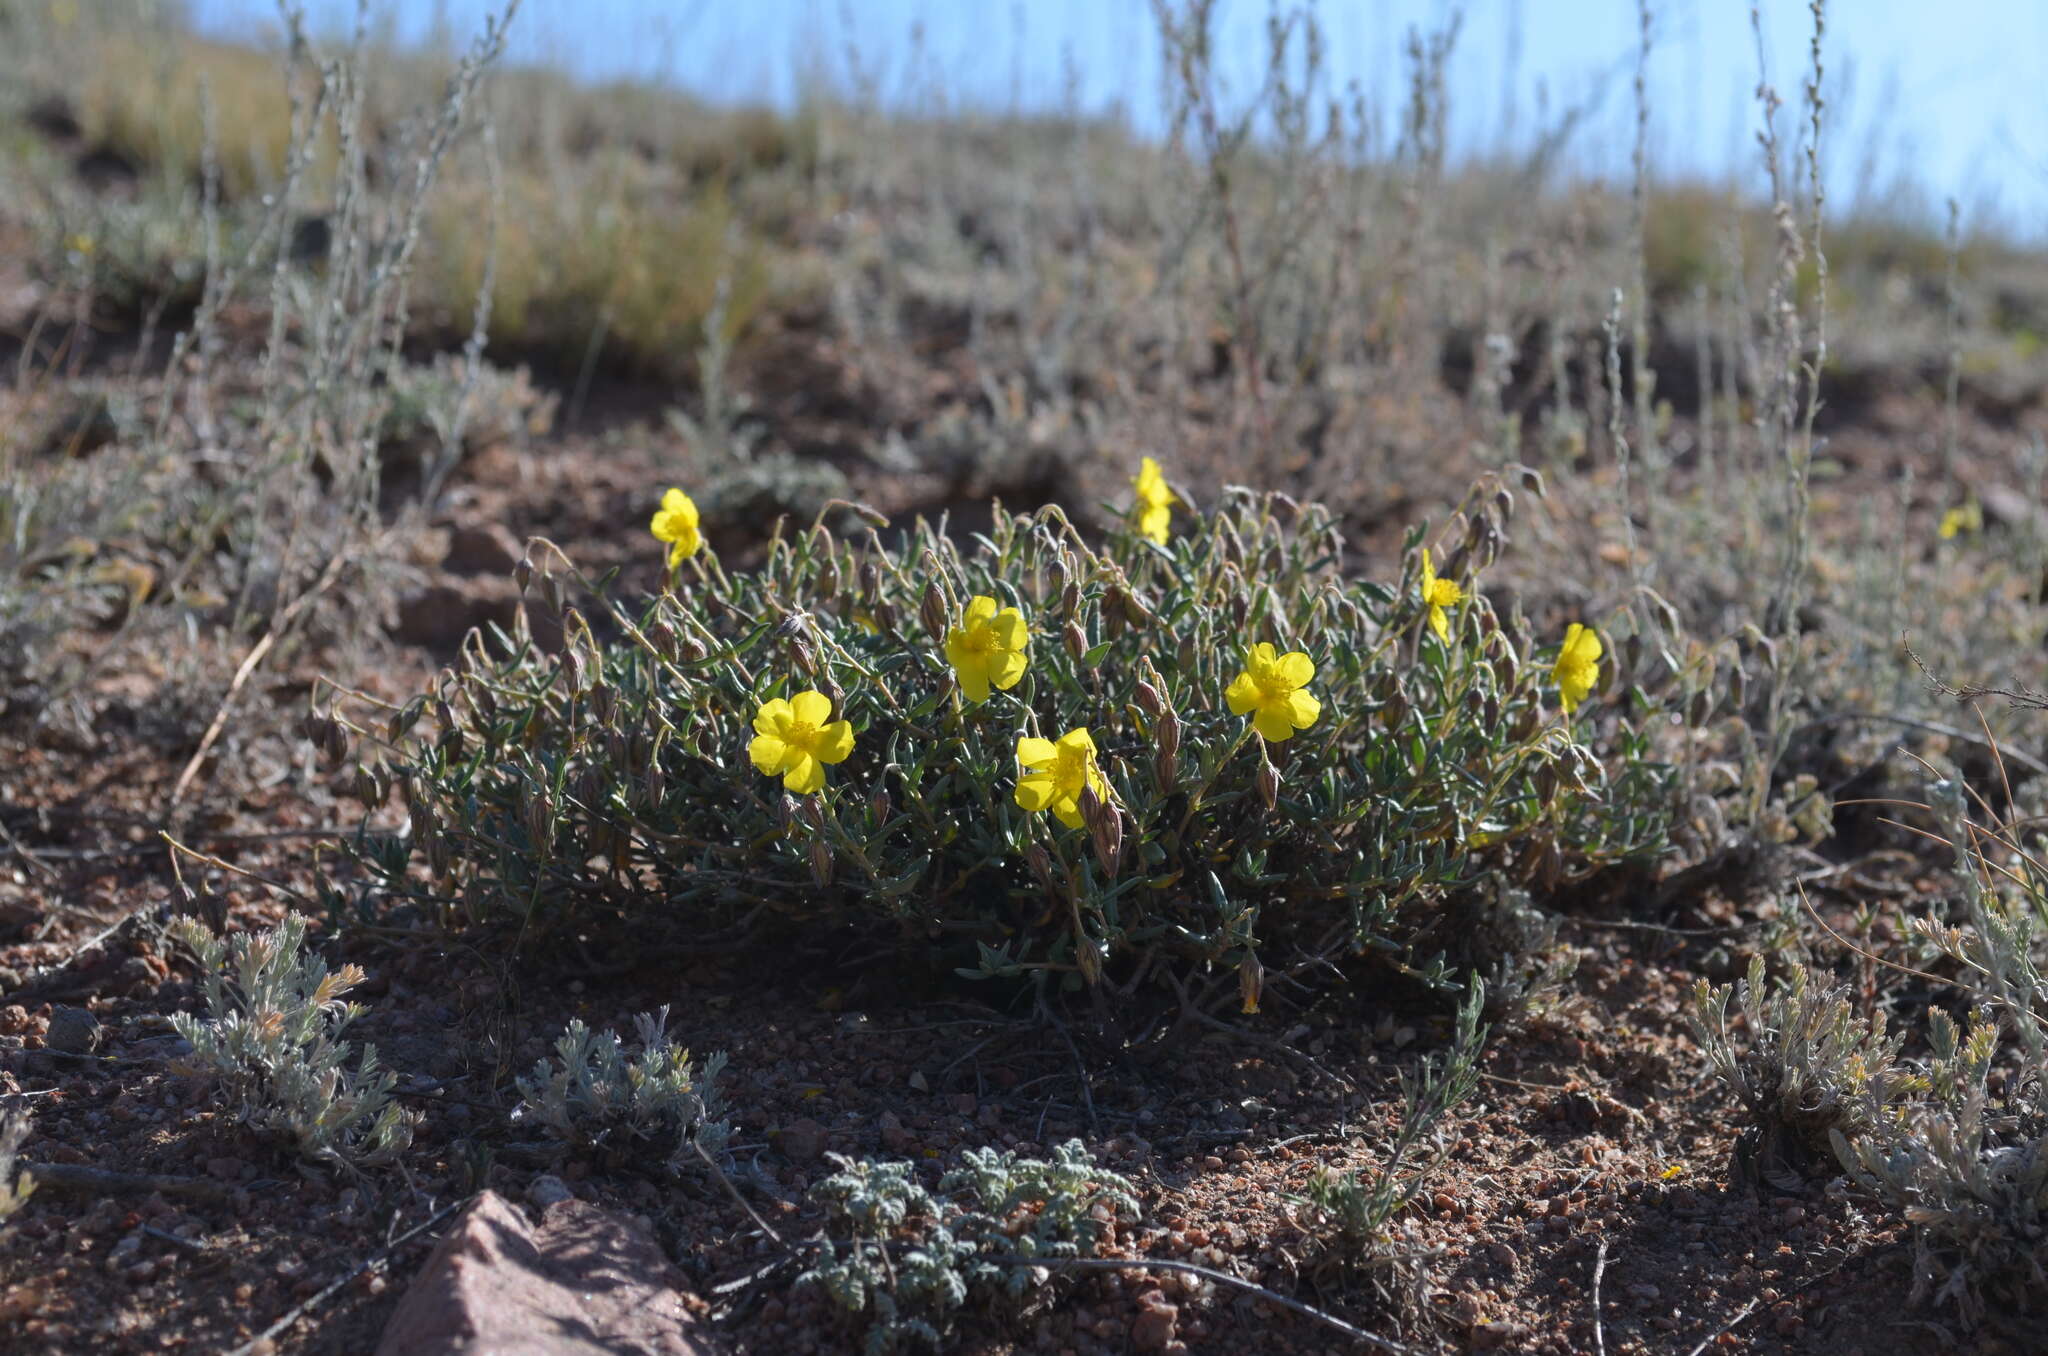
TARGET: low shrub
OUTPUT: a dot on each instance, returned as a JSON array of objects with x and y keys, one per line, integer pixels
[
  {"x": 1216, "y": 753},
  {"x": 272, "y": 1036},
  {"x": 592, "y": 1094}
]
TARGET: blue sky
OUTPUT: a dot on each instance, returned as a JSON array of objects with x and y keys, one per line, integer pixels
[{"x": 1933, "y": 99}]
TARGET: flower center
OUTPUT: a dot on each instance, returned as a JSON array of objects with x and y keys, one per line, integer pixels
[{"x": 800, "y": 732}]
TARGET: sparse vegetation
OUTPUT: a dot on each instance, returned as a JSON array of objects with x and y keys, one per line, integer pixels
[{"x": 1268, "y": 698}]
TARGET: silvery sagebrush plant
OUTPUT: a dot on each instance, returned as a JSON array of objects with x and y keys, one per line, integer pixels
[
  {"x": 592, "y": 1093},
  {"x": 272, "y": 1035},
  {"x": 1808, "y": 1067},
  {"x": 1964, "y": 1161},
  {"x": 904, "y": 1260},
  {"x": 1198, "y": 744}
]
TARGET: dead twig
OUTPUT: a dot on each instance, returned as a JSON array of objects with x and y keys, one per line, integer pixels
[
  {"x": 1599, "y": 1270},
  {"x": 93, "y": 1181},
  {"x": 278, "y": 626}
]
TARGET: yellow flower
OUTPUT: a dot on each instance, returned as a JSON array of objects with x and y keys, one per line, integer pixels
[
  {"x": 1439, "y": 594},
  {"x": 1271, "y": 688},
  {"x": 988, "y": 649},
  {"x": 1155, "y": 501},
  {"x": 675, "y": 522},
  {"x": 1057, "y": 773},
  {"x": 1578, "y": 665},
  {"x": 1963, "y": 518},
  {"x": 796, "y": 738}
]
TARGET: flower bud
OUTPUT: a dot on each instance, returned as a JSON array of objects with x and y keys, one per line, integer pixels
[
  {"x": 828, "y": 576},
  {"x": 934, "y": 613},
  {"x": 373, "y": 785},
  {"x": 879, "y": 805},
  {"x": 1166, "y": 733},
  {"x": 1269, "y": 784},
  {"x": 1075, "y": 640},
  {"x": 662, "y": 637},
  {"x": 1135, "y": 610},
  {"x": 884, "y": 613},
  {"x": 1070, "y": 599},
  {"x": 522, "y": 573},
  {"x": 1040, "y": 863},
  {"x": 1089, "y": 958},
  {"x": 1105, "y": 829},
  {"x": 1148, "y": 699},
  {"x": 652, "y": 784},
  {"x": 540, "y": 821},
  {"x": 1525, "y": 725},
  {"x": 1251, "y": 983},
  {"x": 871, "y": 583},
  {"x": 821, "y": 863}
]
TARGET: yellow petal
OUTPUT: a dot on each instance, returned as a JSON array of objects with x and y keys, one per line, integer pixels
[
  {"x": 980, "y": 609},
  {"x": 972, "y": 670},
  {"x": 1302, "y": 709},
  {"x": 1297, "y": 669},
  {"x": 806, "y": 775},
  {"x": 958, "y": 651},
  {"x": 1154, "y": 521},
  {"x": 773, "y": 718},
  {"x": 1272, "y": 722},
  {"x": 1440, "y": 622},
  {"x": 1581, "y": 644},
  {"x": 1035, "y": 752},
  {"x": 1077, "y": 741},
  {"x": 1011, "y": 632},
  {"x": 1036, "y": 791},
  {"x": 835, "y": 741},
  {"x": 1242, "y": 694},
  {"x": 768, "y": 752},
  {"x": 1428, "y": 573},
  {"x": 675, "y": 501},
  {"x": 1068, "y": 811},
  {"x": 812, "y": 708},
  {"x": 1005, "y": 670}
]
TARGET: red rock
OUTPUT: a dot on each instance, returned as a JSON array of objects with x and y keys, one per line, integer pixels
[{"x": 580, "y": 1283}]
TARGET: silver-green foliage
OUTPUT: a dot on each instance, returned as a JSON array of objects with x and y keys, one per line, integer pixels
[
  {"x": 906, "y": 1261},
  {"x": 592, "y": 1093},
  {"x": 1966, "y": 1164},
  {"x": 273, "y": 1036},
  {"x": 1807, "y": 1070}
]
